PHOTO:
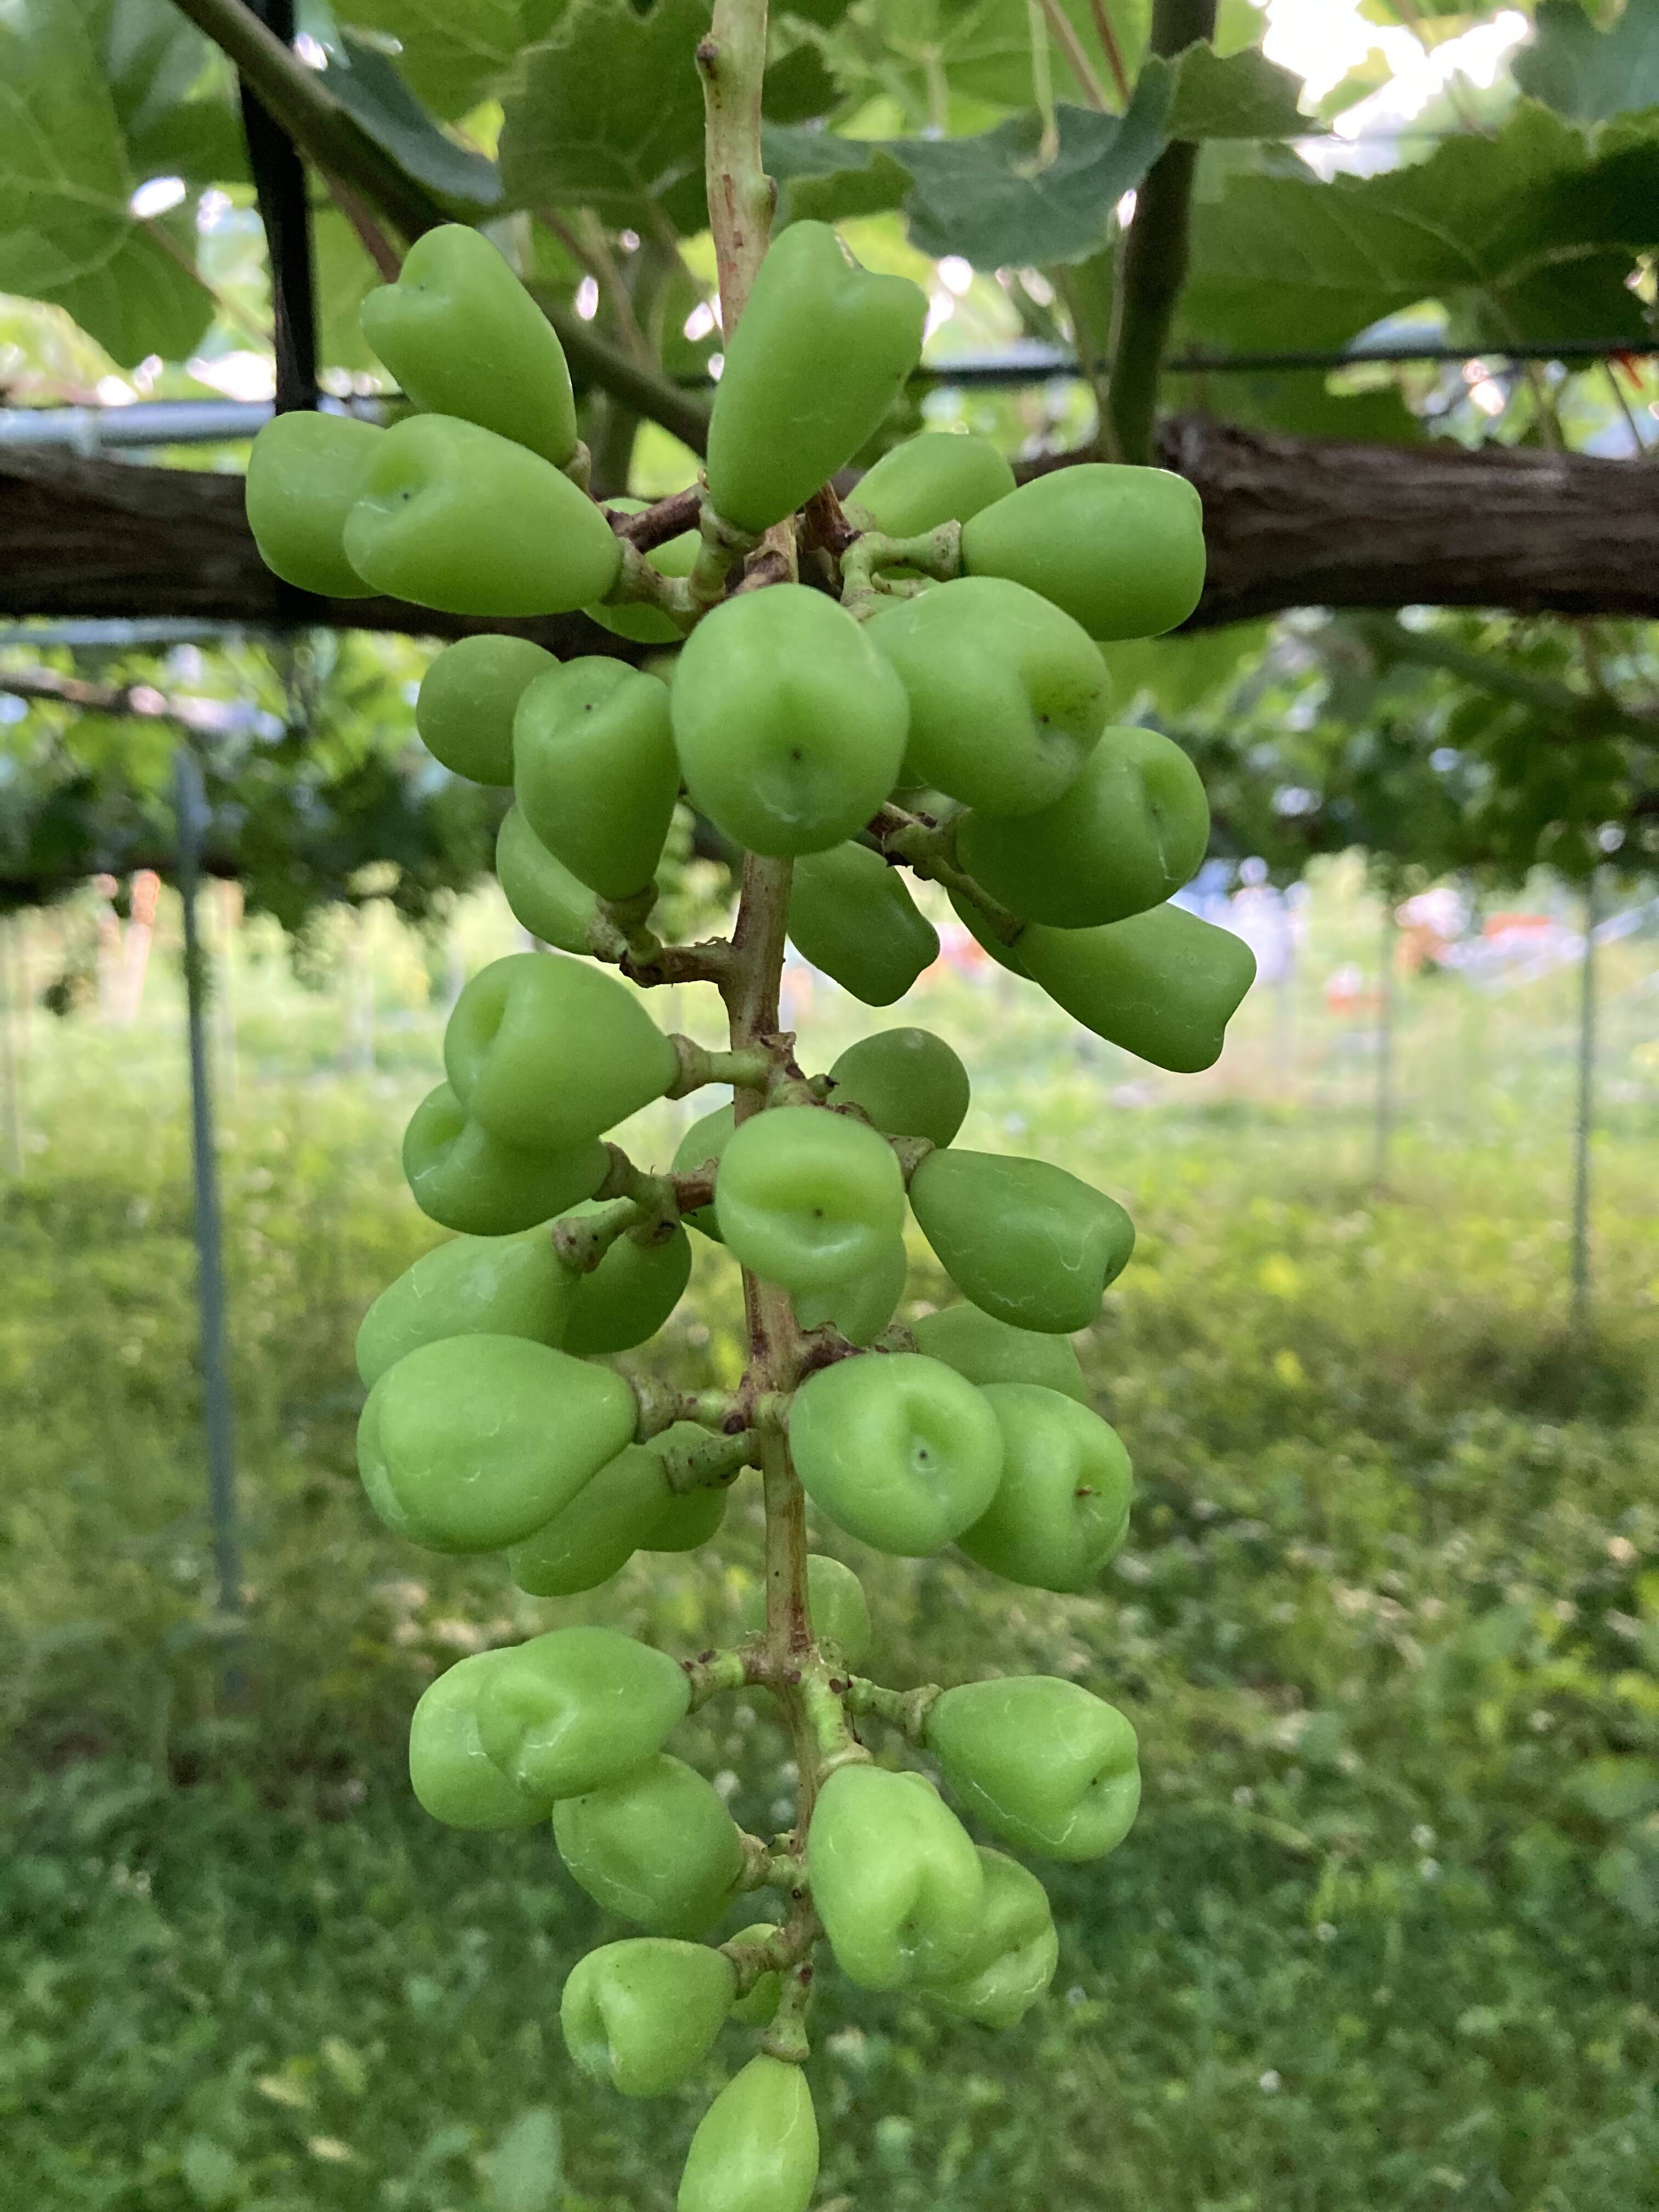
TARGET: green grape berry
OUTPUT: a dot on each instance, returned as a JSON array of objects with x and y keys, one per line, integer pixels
[
  {"x": 596, "y": 1534},
  {"x": 1062, "y": 1509},
  {"x": 640, "y": 2016},
  {"x": 897, "y": 1449},
  {"x": 594, "y": 771},
  {"x": 467, "y": 1179},
  {"x": 688, "y": 1520},
  {"x": 629, "y": 1295},
  {"x": 634, "y": 619},
  {"x": 1007, "y": 695},
  {"x": 658, "y": 1847},
  {"x": 1128, "y": 833},
  {"x": 861, "y": 1309},
  {"x": 547, "y": 1053},
  {"x": 468, "y": 698},
  {"x": 1121, "y": 549},
  {"x": 1044, "y": 1762},
  {"x": 790, "y": 725},
  {"x": 819, "y": 356},
  {"x": 304, "y": 475},
  {"x": 572, "y": 1711},
  {"x": 1162, "y": 985},
  {"x": 757, "y": 2147},
  {"x": 488, "y": 1285},
  {"x": 940, "y": 476},
  {"x": 908, "y": 1082},
  {"x": 453, "y": 1778},
  {"x": 470, "y": 1443},
  {"x": 1029, "y": 1243},
  {"x": 836, "y": 1600},
  {"x": 1015, "y": 1950},
  {"x": 704, "y": 1145},
  {"x": 851, "y": 916},
  {"x": 809, "y": 1199},
  {"x": 757, "y": 2007},
  {"x": 897, "y": 1882},
  {"x": 987, "y": 1350},
  {"x": 453, "y": 517},
  {"x": 463, "y": 336},
  {"x": 540, "y": 889}
]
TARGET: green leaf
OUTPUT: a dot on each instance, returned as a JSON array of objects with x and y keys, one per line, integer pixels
[
  {"x": 985, "y": 198},
  {"x": 526, "y": 2173},
  {"x": 1299, "y": 401},
  {"x": 209, "y": 2172},
  {"x": 984, "y": 48},
  {"x": 1527, "y": 236},
  {"x": 799, "y": 88},
  {"x": 345, "y": 277},
  {"x": 1615, "y": 1789},
  {"x": 371, "y": 91},
  {"x": 825, "y": 178},
  {"x": 606, "y": 112},
  {"x": 1589, "y": 74},
  {"x": 451, "y": 53},
  {"x": 1176, "y": 673},
  {"x": 1243, "y": 96}
]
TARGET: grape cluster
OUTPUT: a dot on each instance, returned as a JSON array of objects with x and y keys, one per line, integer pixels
[{"x": 916, "y": 684}]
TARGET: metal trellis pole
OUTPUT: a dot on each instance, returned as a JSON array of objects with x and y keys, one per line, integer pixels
[
  {"x": 1585, "y": 1116},
  {"x": 191, "y": 806}
]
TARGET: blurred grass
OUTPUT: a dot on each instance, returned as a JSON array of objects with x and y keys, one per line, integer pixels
[{"x": 1389, "y": 1627}]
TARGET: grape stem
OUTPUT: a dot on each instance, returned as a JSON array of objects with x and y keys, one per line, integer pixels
[
  {"x": 924, "y": 846},
  {"x": 907, "y": 1710}
]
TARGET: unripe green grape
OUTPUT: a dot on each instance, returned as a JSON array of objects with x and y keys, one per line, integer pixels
[
  {"x": 978, "y": 926},
  {"x": 1011, "y": 1960},
  {"x": 987, "y": 1350},
  {"x": 596, "y": 1534},
  {"x": 303, "y": 476},
  {"x": 820, "y": 354},
  {"x": 493, "y": 1286},
  {"x": 579, "y": 1708},
  {"x": 1007, "y": 695},
  {"x": 636, "y": 619},
  {"x": 453, "y": 517},
  {"x": 595, "y": 774},
  {"x": 859, "y": 1309},
  {"x": 466, "y": 1179},
  {"x": 468, "y": 698},
  {"x": 629, "y": 1295},
  {"x": 469, "y": 1444},
  {"x": 851, "y": 916},
  {"x": 1162, "y": 985},
  {"x": 639, "y": 2016},
  {"x": 658, "y": 1847},
  {"x": 809, "y": 1199},
  {"x": 757, "y": 2147},
  {"x": 1131, "y": 830},
  {"x": 1031, "y": 1244},
  {"x": 898, "y": 1450},
  {"x": 940, "y": 476},
  {"x": 540, "y": 889},
  {"x": 463, "y": 336},
  {"x": 545, "y": 1052},
  {"x": 789, "y": 724},
  {"x": 756, "y": 2007},
  {"x": 1062, "y": 1509},
  {"x": 908, "y": 1082},
  {"x": 840, "y": 1610},
  {"x": 689, "y": 1517},
  {"x": 1121, "y": 549},
  {"x": 1044, "y": 1762},
  {"x": 897, "y": 1882},
  {"x": 453, "y": 1778},
  {"x": 702, "y": 1145}
]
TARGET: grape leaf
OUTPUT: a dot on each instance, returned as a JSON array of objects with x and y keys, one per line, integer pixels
[
  {"x": 371, "y": 91},
  {"x": 1590, "y": 73},
  {"x": 606, "y": 112},
  {"x": 66, "y": 181},
  {"x": 825, "y": 178},
  {"x": 451, "y": 53},
  {"x": 1242, "y": 96},
  {"x": 1526, "y": 235},
  {"x": 985, "y": 199},
  {"x": 1301, "y": 401},
  {"x": 345, "y": 277},
  {"x": 798, "y": 88}
]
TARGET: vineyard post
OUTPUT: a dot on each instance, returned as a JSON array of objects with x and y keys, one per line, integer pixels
[{"x": 190, "y": 802}]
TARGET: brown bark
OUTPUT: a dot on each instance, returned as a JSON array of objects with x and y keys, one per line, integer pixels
[{"x": 1291, "y": 523}]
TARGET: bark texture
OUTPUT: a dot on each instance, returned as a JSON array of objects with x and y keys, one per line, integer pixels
[{"x": 1291, "y": 523}]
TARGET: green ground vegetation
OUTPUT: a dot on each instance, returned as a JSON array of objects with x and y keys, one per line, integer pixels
[{"x": 1388, "y": 1626}]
